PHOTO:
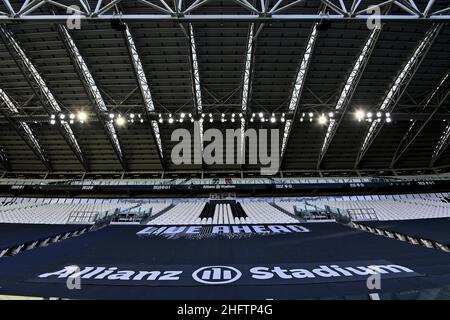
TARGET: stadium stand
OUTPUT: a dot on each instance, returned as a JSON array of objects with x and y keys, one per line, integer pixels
[
  {"x": 311, "y": 135},
  {"x": 202, "y": 211}
]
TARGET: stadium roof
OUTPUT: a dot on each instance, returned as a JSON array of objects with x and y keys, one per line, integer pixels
[{"x": 59, "y": 85}]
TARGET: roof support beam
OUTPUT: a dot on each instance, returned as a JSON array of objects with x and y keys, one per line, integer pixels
[
  {"x": 41, "y": 90},
  {"x": 399, "y": 86},
  {"x": 145, "y": 90},
  {"x": 24, "y": 130},
  {"x": 347, "y": 91},
  {"x": 441, "y": 146},
  {"x": 92, "y": 90},
  {"x": 246, "y": 86},
  {"x": 444, "y": 140},
  {"x": 4, "y": 159},
  {"x": 298, "y": 88},
  {"x": 103, "y": 11},
  {"x": 196, "y": 87},
  {"x": 434, "y": 17},
  {"x": 439, "y": 94}
]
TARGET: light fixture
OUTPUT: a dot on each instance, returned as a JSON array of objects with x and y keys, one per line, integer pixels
[
  {"x": 132, "y": 115},
  {"x": 322, "y": 119},
  {"x": 82, "y": 116},
  {"x": 182, "y": 115},
  {"x": 331, "y": 114},
  {"x": 378, "y": 114},
  {"x": 170, "y": 120},
  {"x": 62, "y": 116},
  {"x": 52, "y": 121},
  {"x": 369, "y": 115},
  {"x": 359, "y": 115},
  {"x": 310, "y": 114},
  {"x": 72, "y": 116},
  {"x": 161, "y": 120},
  {"x": 120, "y": 121},
  {"x": 261, "y": 115},
  {"x": 273, "y": 120}
]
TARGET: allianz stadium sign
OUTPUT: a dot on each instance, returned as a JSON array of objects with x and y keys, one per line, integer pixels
[
  {"x": 229, "y": 231},
  {"x": 221, "y": 275}
]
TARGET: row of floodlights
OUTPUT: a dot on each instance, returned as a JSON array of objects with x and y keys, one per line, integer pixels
[
  {"x": 233, "y": 117},
  {"x": 121, "y": 120}
]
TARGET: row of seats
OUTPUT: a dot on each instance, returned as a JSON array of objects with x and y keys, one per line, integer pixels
[
  {"x": 262, "y": 212},
  {"x": 395, "y": 210},
  {"x": 400, "y": 208},
  {"x": 190, "y": 213},
  {"x": 222, "y": 215},
  {"x": 66, "y": 213},
  {"x": 384, "y": 209},
  {"x": 181, "y": 214}
]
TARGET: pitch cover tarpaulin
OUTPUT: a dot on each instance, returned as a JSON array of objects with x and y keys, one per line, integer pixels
[
  {"x": 431, "y": 229},
  {"x": 15, "y": 234},
  {"x": 246, "y": 262}
]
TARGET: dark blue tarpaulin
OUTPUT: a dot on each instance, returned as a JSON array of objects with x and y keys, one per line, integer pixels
[
  {"x": 15, "y": 234},
  {"x": 431, "y": 229},
  {"x": 279, "y": 266}
]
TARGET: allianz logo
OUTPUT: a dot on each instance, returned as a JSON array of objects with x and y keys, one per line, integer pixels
[{"x": 216, "y": 275}]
